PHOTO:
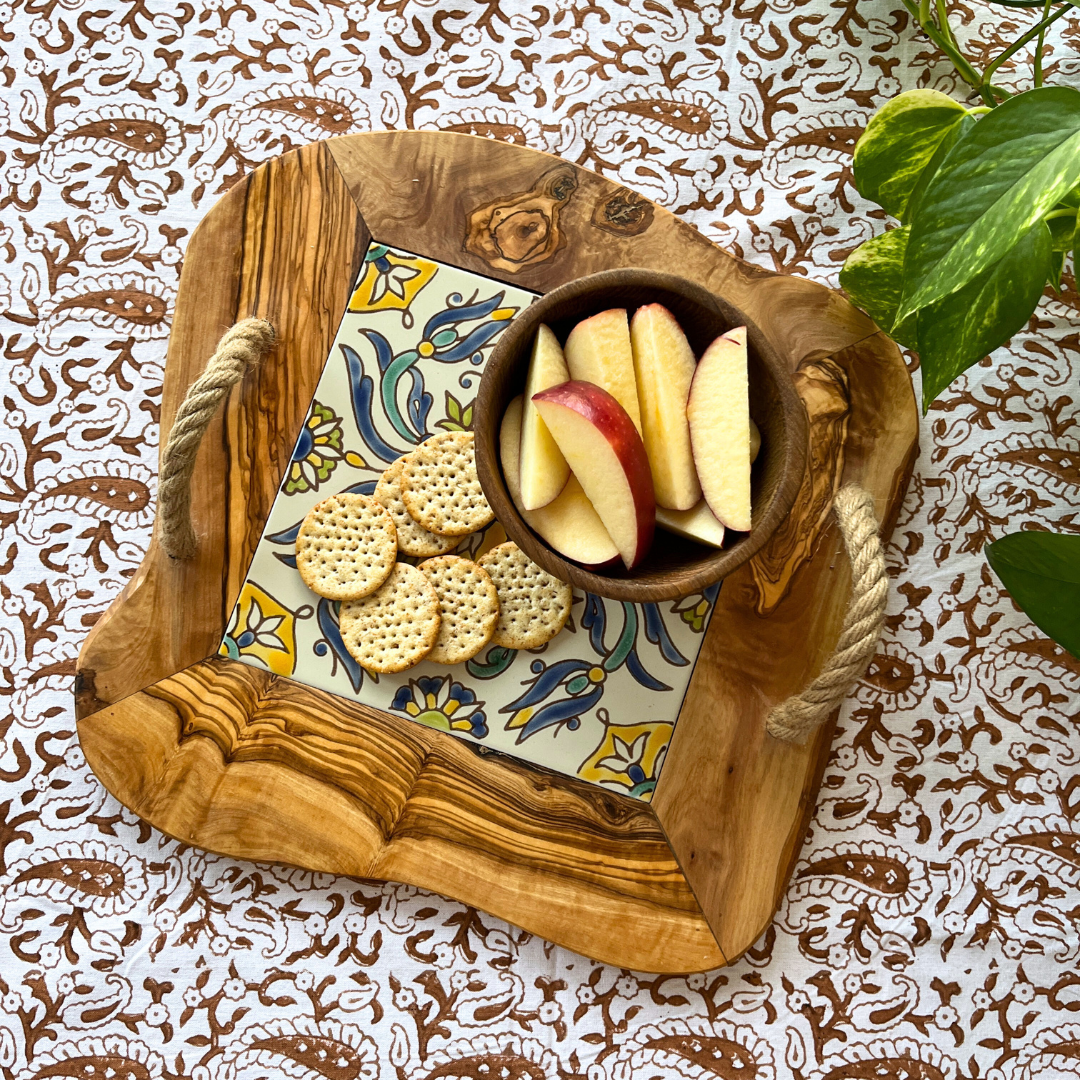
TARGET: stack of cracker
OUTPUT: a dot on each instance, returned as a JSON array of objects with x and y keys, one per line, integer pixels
[{"x": 446, "y": 609}]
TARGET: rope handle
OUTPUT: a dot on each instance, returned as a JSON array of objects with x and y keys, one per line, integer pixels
[
  {"x": 240, "y": 347},
  {"x": 792, "y": 720}
]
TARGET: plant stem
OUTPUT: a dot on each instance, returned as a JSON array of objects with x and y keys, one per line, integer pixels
[
  {"x": 1039, "y": 47},
  {"x": 1067, "y": 211},
  {"x": 921, "y": 14},
  {"x": 1036, "y": 31},
  {"x": 943, "y": 22}
]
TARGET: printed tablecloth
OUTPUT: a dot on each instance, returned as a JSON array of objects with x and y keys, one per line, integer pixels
[{"x": 931, "y": 929}]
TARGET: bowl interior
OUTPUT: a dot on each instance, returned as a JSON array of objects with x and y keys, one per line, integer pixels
[{"x": 675, "y": 566}]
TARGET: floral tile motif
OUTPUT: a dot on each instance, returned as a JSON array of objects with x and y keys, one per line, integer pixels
[{"x": 599, "y": 702}]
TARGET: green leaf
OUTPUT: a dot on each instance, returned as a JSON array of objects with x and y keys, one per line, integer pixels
[
  {"x": 899, "y": 143},
  {"x": 957, "y": 131},
  {"x": 1063, "y": 232},
  {"x": 966, "y": 325},
  {"x": 453, "y": 407},
  {"x": 872, "y": 276},
  {"x": 1057, "y": 265},
  {"x": 1042, "y": 573},
  {"x": 996, "y": 182}
]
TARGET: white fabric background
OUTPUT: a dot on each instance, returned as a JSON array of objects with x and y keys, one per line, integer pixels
[{"x": 955, "y": 758}]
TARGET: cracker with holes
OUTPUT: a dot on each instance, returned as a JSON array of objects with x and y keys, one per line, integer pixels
[
  {"x": 440, "y": 488},
  {"x": 395, "y": 627},
  {"x": 533, "y": 605},
  {"x": 412, "y": 538},
  {"x": 346, "y": 547},
  {"x": 468, "y": 605}
]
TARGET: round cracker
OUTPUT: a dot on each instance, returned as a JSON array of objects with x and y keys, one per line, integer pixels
[
  {"x": 394, "y": 628},
  {"x": 533, "y": 605},
  {"x": 346, "y": 547},
  {"x": 440, "y": 488},
  {"x": 468, "y": 605},
  {"x": 412, "y": 538}
]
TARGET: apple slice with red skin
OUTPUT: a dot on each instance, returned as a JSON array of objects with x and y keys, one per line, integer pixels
[
  {"x": 718, "y": 411},
  {"x": 664, "y": 366},
  {"x": 569, "y": 523},
  {"x": 598, "y": 350},
  {"x": 544, "y": 471},
  {"x": 698, "y": 523},
  {"x": 606, "y": 454}
]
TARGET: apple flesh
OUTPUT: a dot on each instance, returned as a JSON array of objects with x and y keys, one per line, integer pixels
[
  {"x": 598, "y": 351},
  {"x": 718, "y": 411},
  {"x": 664, "y": 366},
  {"x": 699, "y": 523},
  {"x": 568, "y": 523},
  {"x": 606, "y": 454},
  {"x": 544, "y": 471}
]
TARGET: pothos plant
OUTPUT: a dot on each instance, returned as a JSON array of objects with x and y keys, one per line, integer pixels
[{"x": 986, "y": 195}]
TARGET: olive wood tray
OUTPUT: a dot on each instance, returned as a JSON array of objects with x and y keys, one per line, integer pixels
[{"x": 241, "y": 762}]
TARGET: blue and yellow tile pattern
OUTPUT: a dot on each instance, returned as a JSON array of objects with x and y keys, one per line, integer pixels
[{"x": 599, "y": 702}]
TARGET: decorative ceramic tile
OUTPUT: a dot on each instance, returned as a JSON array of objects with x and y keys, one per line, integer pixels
[{"x": 600, "y": 700}]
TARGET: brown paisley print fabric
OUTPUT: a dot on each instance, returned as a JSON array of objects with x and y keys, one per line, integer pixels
[{"x": 931, "y": 930}]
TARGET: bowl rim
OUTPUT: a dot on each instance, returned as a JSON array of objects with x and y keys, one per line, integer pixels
[{"x": 658, "y": 585}]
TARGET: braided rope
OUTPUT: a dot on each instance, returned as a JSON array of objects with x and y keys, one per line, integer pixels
[
  {"x": 793, "y": 719},
  {"x": 241, "y": 346}
]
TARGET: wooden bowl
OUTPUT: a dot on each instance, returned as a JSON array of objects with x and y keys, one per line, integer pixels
[{"x": 675, "y": 566}]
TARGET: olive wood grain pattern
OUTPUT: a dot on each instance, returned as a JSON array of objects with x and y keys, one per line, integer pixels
[
  {"x": 205, "y": 750},
  {"x": 284, "y": 244},
  {"x": 244, "y": 763},
  {"x": 420, "y": 191},
  {"x": 823, "y": 387}
]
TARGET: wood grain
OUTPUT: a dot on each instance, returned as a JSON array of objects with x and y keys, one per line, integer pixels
[
  {"x": 284, "y": 244},
  {"x": 244, "y": 763},
  {"x": 515, "y": 231},
  {"x": 419, "y": 191},
  {"x": 823, "y": 387},
  {"x": 263, "y": 768},
  {"x": 733, "y": 801}
]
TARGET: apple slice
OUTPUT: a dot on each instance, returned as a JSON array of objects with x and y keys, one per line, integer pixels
[
  {"x": 605, "y": 452},
  {"x": 664, "y": 365},
  {"x": 699, "y": 523},
  {"x": 719, "y": 414},
  {"x": 598, "y": 351},
  {"x": 569, "y": 523},
  {"x": 544, "y": 471}
]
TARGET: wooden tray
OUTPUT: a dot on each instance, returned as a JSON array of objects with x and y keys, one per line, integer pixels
[{"x": 225, "y": 757}]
